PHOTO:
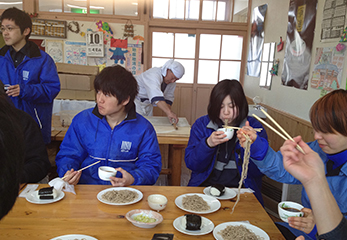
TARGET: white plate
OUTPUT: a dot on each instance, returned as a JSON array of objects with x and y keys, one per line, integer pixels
[
  {"x": 228, "y": 194},
  {"x": 33, "y": 197},
  {"x": 206, "y": 226},
  {"x": 74, "y": 237},
  {"x": 262, "y": 234},
  {"x": 211, "y": 201},
  {"x": 139, "y": 195}
]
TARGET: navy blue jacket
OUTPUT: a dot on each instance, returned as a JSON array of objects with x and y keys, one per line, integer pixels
[{"x": 39, "y": 84}]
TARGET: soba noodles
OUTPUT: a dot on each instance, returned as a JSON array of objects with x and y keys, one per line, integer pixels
[
  {"x": 195, "y": 203},
  {"x": 239, "y": 233},
  {"x": 120, "y": 196}
]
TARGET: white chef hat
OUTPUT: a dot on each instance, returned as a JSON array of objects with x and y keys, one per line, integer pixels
[{"x": 176, "y": 68}]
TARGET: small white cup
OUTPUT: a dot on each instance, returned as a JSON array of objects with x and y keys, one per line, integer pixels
[
  {"x": 157, "y": 201},
  {"x": 6, "y": 86},
  {"x": 106, "y": 172},
  {"x": 286, "y": 210},
  {"x": 228, "y": 131}
]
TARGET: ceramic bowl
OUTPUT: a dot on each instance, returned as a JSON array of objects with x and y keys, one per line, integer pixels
[
  {"x": 106, "y": 172},
  {"x": 288, "y": 209},
  {"x": 157, "y": 202},
  {"x": 228, "y": 131},
  {"x": 145, "y": 214}
]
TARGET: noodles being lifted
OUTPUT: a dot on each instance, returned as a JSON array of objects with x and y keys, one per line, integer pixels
[
  {"x": 195, "y": 203},
  {"x": 239, "y": 233},
  {"x": 120, "y": 196}
]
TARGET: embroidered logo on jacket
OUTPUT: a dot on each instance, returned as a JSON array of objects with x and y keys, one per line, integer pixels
[
  {"x": 25, "y": 75},
  {"x": 126, "y": 146}
]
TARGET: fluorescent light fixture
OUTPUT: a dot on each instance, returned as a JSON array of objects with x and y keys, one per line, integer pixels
[
  {"x": 10, "y": 3},
  {"x": 92, "y": 7},
  {"x": 134, "y": 3}
]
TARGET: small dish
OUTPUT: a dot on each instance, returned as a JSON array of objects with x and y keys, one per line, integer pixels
[
  {"x": 228, "y": 194},
  {"x": 146, "y": 214},
  {"x": 33, "y": 197},
  {"x": 206, "y": 226},
  {"x": 106, "y": 172},
  {"x": 288, "y": 209},
  {"x": 157, "y": 201},
  {"x": 229, "y": 132},
  {"x": 74, "y": 237},
  {"x": 258, "y": 231}
]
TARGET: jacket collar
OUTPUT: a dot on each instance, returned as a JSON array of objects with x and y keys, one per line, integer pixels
[
  {"x": 131, "y": 114},
  {"x": 32, "y": 48}
]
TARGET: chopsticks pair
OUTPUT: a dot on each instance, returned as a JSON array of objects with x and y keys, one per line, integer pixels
[
  {"x": 273, "y": 129},
  {"x": 82, "y": 169}
]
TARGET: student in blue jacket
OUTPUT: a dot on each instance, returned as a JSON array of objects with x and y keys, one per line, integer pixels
[
  {"x": 214, "y": 159},
  {"x": 29, "y": 73},
  {"x": 112, "y": 133},
  {"x": 328, "y": 116}
]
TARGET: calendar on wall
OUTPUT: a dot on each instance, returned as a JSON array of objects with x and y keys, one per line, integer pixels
[{"x": 49, "y": 28}]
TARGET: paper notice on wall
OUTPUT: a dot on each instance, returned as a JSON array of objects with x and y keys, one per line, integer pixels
[
  {"x": 133, "y": 59},
  {"x": 327, "y": 71},
  {"x": 75, "y": 53},
  {"x": 55, "y": 49}
]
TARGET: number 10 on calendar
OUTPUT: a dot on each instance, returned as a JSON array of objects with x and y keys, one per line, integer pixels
[{"x": 95, "y": 44}]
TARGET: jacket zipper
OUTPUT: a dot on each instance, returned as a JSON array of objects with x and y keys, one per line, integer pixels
[{"x": 38, "y": 119}]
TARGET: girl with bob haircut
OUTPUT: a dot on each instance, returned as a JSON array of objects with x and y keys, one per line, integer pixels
[
  {"x": 214, "y": 159},
  {"x": 328, "y": 116}
]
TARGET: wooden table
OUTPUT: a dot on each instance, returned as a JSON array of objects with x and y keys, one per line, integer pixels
[
  {"x": 84, "y": 214},
  {"x": 166, "y": 134}
]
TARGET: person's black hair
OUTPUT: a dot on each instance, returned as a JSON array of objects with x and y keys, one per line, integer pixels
[
  {"x": 11, "y": 155},
  {"x": 118, "y": 82},
  {"x": 20, "y": 18},
  {"x": 220, "y": 91}
]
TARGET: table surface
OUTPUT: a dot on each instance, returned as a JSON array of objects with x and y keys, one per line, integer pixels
[{"x": 83, "y": 213}]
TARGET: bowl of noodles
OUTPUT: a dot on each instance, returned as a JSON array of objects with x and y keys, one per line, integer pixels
[{"x": 144, "y": 218}]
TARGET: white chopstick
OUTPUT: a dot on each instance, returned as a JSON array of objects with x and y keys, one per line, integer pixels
[
  {"x": 285, "y": 133},
  {"x": 255, "y": 129},
  {"x": 83, "y": 168}
]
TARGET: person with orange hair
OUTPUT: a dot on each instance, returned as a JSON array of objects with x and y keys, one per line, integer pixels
[{"x": 328, "y": 116}]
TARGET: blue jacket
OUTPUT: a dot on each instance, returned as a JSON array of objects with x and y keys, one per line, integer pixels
[
  {"x": 131, "y": 145},
  {"x": 39, "y": 84},
  {"x": 271, "y": 165},
  {"x": 200, "y": 158}
]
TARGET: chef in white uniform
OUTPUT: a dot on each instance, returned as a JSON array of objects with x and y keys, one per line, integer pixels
[{"x": 156, "y": 88}]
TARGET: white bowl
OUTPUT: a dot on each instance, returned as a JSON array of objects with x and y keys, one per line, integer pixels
[
  {"x": 228, "y": 131},
  {"x": 284, "y": 213},
  {"x": 147, "y": 213},
  {"x": 106, "y": 172},
  {"x": 157, "y": 201}
]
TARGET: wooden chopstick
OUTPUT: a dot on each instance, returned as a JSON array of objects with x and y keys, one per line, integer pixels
[
  {"x": 255, "y": 129},
  {"x": 83, "y": 168},
  {"x": 278, "y": 133},
  {"x": 285, "y": 133},
  {"x": 175, "y": 126}
]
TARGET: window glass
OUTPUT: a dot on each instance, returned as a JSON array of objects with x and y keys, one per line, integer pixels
[
  {"x": 229, "y": 70},
  {"x": 125, "y": 7},
  {"x": 266, "y": 52},
  {"x": 162, "y": 44},
  {"x": 160, "y": 8},
  {"x": 176, "y": 9},
  {"x": 263, "y": 73},
  {"x": 158, "y": 62},
  {"x": 101, "y": 7},
  {"x": 50, "y": 6},
  {"x": 209, "y": 46},
  {"x": 208, "y": 72},
  {"x": 208, "y": 10},
  {"x": 185, "y": 45},
  {"x": 192, "y": 9},
  {"x": 240, "y": 11},
  {"x": 71, "y": 6},
  {"x": 4, "y": 4},
  {"x": 267, "y": 63},
  {"x": 232, "y": 47},
  {"x": 188, "y": 76}
]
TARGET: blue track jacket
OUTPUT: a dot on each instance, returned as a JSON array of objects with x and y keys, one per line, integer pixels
[
  {"x": 271, "y": 165},
  {"x": 200, "y": 158},
  {"x": 131, "y": 145},
  {"x": 39, "y": 84}
]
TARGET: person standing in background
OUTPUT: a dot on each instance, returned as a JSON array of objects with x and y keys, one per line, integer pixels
[
  {"x": 157, "y": 87},
  {"x": 29, "y": 74}
]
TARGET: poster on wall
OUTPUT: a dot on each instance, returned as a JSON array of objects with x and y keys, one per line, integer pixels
[
  {"x": 327, "y": 71},
  {"x": 256, "y": 41},
  {"x": 300, "y": 32},
  {"x": 133, "y": 59},
  {"x": 75, "y": 52},
  {"x": 334, "y": 19},
  {"x": 56, "y": 50},
  {"x": 95, "y": 44}
]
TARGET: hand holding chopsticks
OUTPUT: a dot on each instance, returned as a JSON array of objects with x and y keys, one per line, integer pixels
[
  {"x": 273, "y": 129},
  {"x": 82, "y": 169}
]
